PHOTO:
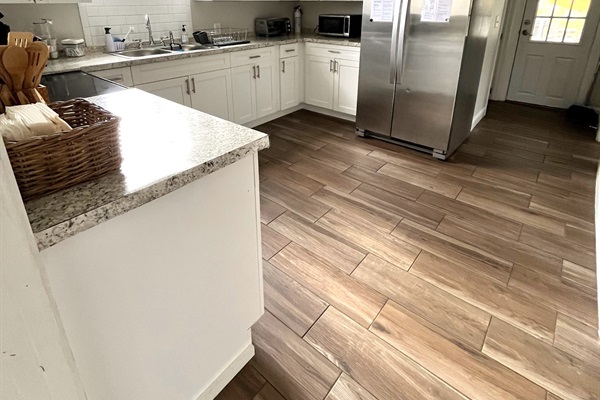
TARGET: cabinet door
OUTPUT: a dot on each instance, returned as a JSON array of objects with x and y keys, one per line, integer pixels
[
  {"x": 177, "y": 90},
  {"x": 121, "y": 76},
  {"x": 345, "y": 86},
  {"x": 243, "y": 82},
  {"x": 289, "y": 74},
  {"x": 211, "y": 93},
  {"x": 319, "y": 81},
  {"x": 267, "y": 89}
]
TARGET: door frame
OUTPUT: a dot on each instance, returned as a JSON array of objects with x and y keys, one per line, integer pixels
[{"x": 511, "y": 32}]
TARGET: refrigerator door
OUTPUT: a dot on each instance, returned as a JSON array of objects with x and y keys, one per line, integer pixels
[
  {"x": 377, "y": 63},
  {"x": 428, "y": 65}
]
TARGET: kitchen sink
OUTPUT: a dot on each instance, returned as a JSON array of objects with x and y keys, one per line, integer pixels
[
  {"x": 141, "y": 53},
  {"x": 189, "y": 47}
]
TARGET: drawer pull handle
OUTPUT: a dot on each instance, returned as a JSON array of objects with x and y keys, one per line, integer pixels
[
  {"x": 254, "y": 71},
  {"x": 334, "y": 51},
  {"x": 255, "y": 56},
  {"x": 283, "y": 66},
  {"x": 187, "y": 86},
  {"x": 330, "y": 65},
  {"x": 290, "y": 50},
  {"x": 258, "y": 71},
  {"x": 116, "y": 78},
  {"x": 194, "y": 85}
]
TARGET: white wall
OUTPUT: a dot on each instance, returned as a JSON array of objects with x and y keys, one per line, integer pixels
[
  {"x": 165, "y": 16},
  {"x": 35, "y": 358},
  {"x": 489, "y": 60},
  {"x": 20, "y": 17}
]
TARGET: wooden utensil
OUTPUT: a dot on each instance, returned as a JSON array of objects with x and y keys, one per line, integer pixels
[
  {"x": 15, "y": 62},
  {"x": 3, "y": 74},
  {"x": 21, "y": 39},
  {"x": 37, "y": 57}
]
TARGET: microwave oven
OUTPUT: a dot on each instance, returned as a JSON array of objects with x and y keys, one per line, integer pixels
[
  {"x": 340, "y": 25},
  {"x": 272, "y": 26}
]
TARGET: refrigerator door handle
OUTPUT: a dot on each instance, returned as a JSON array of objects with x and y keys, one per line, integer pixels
[
  {"x": 394, "y": 48},
  {"x": 402, "y": 40}
]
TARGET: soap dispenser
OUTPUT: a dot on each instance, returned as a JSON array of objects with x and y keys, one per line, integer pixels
[
  {"x": 184, "y": 36},
  {"x": 109, "y": 41}
]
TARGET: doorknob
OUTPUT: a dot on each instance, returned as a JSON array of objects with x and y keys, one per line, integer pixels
[{"x": 525, "y": 32}]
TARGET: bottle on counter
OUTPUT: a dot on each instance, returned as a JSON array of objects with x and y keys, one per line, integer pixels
[
  {"x": 184, "y": 36},
  {"x": 109, "y": 40},
  {"x": 298, "y": 20}
]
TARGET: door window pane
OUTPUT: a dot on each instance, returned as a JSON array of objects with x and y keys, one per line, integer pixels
[
  {"x": 574, "y": 30},
  {"x": 562, "y": 8},
  {"x": 580, "y": 8},
  {"x": 545, "y": 8},
  {"x": 557, "y": 30},
  {"x": 540, "y": 29},
  {"x": 559, "y": 21}
]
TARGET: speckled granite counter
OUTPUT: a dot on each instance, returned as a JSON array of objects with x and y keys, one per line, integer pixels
[
  {"x": 100, "y": 61},
  {"x": 164, "y": 147}
]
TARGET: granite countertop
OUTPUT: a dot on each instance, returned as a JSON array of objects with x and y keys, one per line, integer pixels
[
  {"x": 100, "y": 61},
  {"x": 164, "y": 146}
]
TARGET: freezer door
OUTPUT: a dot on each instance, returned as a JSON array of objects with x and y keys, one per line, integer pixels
[
  {"x": 428, "y": 65},
  {"x": 375, "y": 90}
]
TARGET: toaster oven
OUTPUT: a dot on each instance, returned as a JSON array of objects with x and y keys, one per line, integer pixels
[{"x": 269, "y": 27}]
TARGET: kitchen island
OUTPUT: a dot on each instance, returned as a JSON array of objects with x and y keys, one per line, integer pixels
[{"x": 156, "y": 269}]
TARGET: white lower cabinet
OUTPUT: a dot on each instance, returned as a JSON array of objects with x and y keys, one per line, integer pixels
[
  {"x": 121, "y": 75},
  {"x": 319, "y": 82},
  {"x": 211, "y": 93},
  {"x": 176, "y": 89},
  {"x": 289, "y": 82},
  {"x": 331, "y": 79},
  {"x": 255, "y": 89}
]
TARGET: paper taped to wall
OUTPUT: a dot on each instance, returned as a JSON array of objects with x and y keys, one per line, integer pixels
[
  {"x": 382, "y": 10},
  {"x": 436, "y": 10}
]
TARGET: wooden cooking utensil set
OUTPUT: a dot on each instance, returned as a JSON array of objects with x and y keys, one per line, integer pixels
[{"x": 21, "y": 64}]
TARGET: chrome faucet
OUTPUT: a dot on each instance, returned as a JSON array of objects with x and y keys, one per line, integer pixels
[
  {"x": 149, "y": 27},
  {"x": 172, "y": 41}
]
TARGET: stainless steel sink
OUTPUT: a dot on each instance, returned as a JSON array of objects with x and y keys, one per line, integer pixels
[
  {"x": 189, "y": 47},
  {"x": 141, "y": 53}
]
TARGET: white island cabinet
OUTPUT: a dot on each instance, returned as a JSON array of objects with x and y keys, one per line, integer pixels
[{"x": 156, "y": 270}]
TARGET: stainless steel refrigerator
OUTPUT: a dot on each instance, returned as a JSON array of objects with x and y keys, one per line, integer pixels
[{"x": 420, "y": 66}]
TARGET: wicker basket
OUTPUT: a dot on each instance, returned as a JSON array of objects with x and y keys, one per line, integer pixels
[{"x": 46, "y": 164}]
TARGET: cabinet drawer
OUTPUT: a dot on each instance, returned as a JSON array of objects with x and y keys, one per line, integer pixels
[
  {"x": 288, "y": 50},
  {"x": 159, "y": 71},
  {"x": 252, "y": 56},
  {"x": 121, "y": 76},
  {"x": 340, "y": 52}
]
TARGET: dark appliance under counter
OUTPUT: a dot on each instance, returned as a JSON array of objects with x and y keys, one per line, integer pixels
[{"x": 69, "y": 85}]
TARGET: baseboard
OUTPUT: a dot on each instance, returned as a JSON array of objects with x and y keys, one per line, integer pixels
[
  {"x": 478, "y": 117},
  {"x": 301, "y": 106},
  {"x": 228, "y": 373}
]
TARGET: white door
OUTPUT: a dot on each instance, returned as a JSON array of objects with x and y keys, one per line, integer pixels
[
  {"x": 267, "y": 89},
  {"x": 176, "y": 89},
  {"x": 319, "y": 81},
  {"x": 243, "y": 81},
  {"x": 212, "y": 93},
  {"x": 290, "y": 82},
  {"x": 556, "y": 37},
  {"x": 345, "y": 88}
]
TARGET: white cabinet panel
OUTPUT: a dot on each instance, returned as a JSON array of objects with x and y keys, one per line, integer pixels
[
  {"x": 212, "y": 93},
  {"x": 290, "y": 82},
  {"x": 177, "y": 90},
  {"x": 345, "y": 86},
  {"x": 243, "y": 83},
  {"x": 159, "y": 71},
  {"x": 319, "y": 81},
  {"x": 267, "y": 89}
]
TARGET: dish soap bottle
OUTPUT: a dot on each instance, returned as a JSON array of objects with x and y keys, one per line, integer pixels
[
  {"x": 109, "y": 41},
  {"x": 184, "y": 36},
  {"x": 298, "y": 20}
]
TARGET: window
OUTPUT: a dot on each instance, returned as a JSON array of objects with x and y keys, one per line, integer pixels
[{"x": 559, "y": 21}]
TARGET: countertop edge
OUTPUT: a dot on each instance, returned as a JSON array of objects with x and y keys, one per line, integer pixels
[
  {"x": 59, "y": 232},
  {"x": 120, "y": 62}
]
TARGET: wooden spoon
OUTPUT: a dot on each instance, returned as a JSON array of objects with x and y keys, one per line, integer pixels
[
  {"x": 3, "y": 74},
  {"x": 15, "y": 62},
  {"x": 20, "y": 39},
  {"x": 37, "y": 53}
]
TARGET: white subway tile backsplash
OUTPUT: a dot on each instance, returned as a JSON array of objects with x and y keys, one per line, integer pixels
[{"x": 165, "y": 16}]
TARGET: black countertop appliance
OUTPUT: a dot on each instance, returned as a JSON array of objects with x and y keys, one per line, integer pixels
[{"x": 69, "y": 85}]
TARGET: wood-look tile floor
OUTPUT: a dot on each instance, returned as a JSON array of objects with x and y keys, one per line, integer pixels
[{"x": 391, "y": 275}]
